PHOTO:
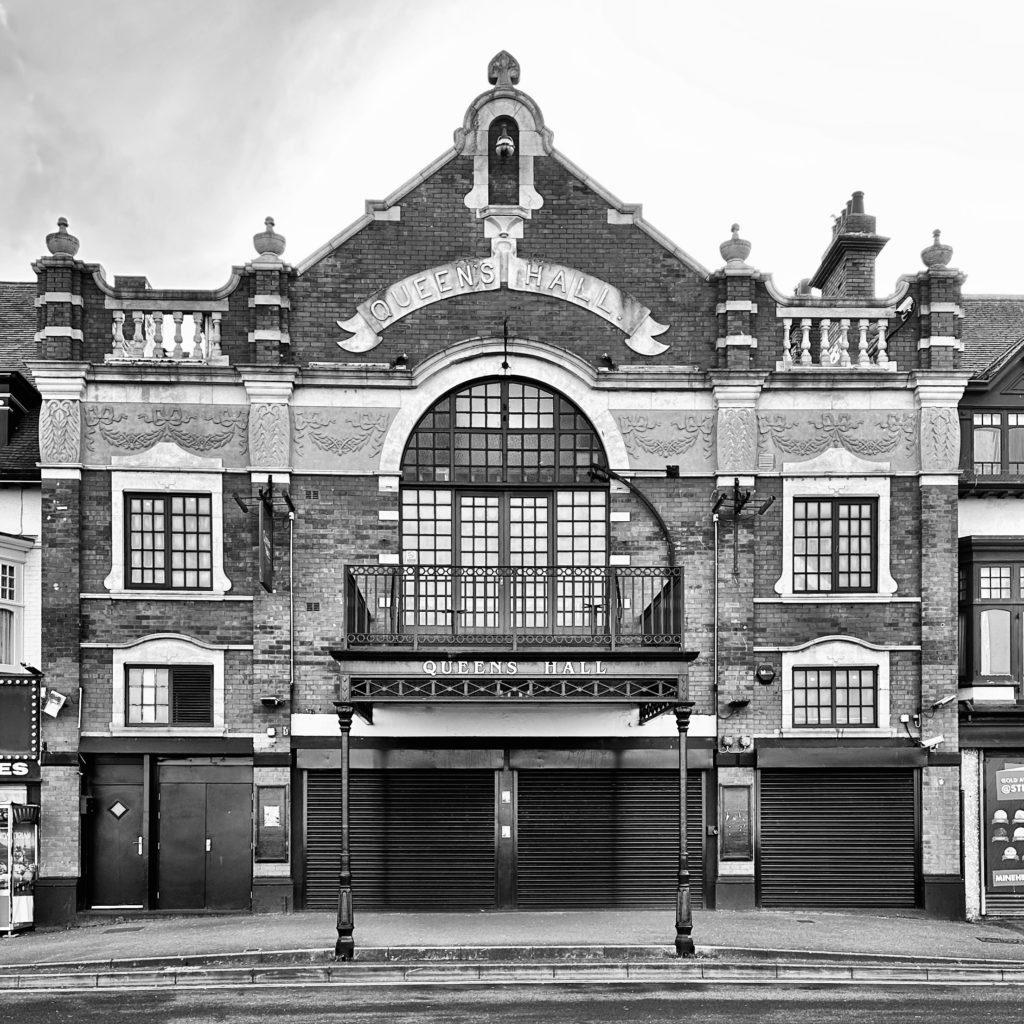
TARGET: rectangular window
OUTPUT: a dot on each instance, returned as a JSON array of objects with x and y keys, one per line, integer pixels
[
  {"x": 835, "y": 697},
  {"x": 992, "y": 602},
  {"x": 834, "y": 545},
  {"x": 998, "y": 443},
  {"x": 10, "y": 615},
  {"x": 169, "y": 695},
  {"x": 169, "y": 541}
]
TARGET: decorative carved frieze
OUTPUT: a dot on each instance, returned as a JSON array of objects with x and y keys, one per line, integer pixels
[
  {"x": 269, "y": 434},
  {"x": 357, "y": 432},
  {"x": 737, "y": 440},
  {"x": 940, "y": 440},
  {"x": 136, "y": 430},
  {"x": 60, "y": 431},
  {"x": 647, "y": 435},
  {"x": 868, "y": 435}
]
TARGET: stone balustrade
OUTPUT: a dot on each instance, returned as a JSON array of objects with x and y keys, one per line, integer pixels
[
  {"x": 835, "y": 340},
  {"x": 177, "y": 336}
]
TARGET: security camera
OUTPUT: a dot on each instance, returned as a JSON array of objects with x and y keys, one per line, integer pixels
[
  {"x": 932, "y": 742},
  {"x": 273, "y": 701},
  {"x": 943, "y": 701},
  {"x": 905, "y": 308}
]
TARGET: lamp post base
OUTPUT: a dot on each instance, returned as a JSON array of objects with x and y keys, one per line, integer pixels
[{"x": 344, "y": 948}]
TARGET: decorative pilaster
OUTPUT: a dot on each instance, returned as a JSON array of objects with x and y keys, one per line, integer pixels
[
  {"x": 736, "y": 428},
  {"x": 269, "y": 305},
  {"x": 737, "y": 309},
  {"x": 270, "y": 441},
  {"x": 941, "y": 309},
  {"x": 62, "y": 387},
  {"x": 344, "y": 947},
  {"x": 684, "y": 910},
  {"x": 59, "y": 297}
]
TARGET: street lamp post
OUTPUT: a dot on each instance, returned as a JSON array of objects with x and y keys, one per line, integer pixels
[
  {"x": 684, "y": 912},
  {"x": 344, "y": 948}
]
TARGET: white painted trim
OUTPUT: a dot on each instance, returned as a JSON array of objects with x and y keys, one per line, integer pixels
[
  {"x": 837, "y": 473},
  {"x": 836, "y": 652},
  {"x": 740, "y": 341},
  {"x": 941, "y": 341},
  {"x": 736, "y": 306},
  {"x": 613, "y": 201},
  {"x": 366, "y": 219},
  {"x": 184, "y": 477},
  {"x": 164, "y": 595},
  {"x": 270, "y": 300},
  {"x": 59, "y": 332},
  {"x": 160, "y": 650},
  {"x": 838, "y": 599},
  {"x": 840, "y": 638},
  {"x": 60, "y": 472},
  {"x": 42, "y": 300},
  {"x": 939, "y": 479}
]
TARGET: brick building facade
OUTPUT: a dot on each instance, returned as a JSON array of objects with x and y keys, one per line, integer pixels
[{"x": 549, "y": 500}]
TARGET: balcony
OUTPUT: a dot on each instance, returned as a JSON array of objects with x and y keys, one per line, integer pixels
[{"x": 515, "y": 608}]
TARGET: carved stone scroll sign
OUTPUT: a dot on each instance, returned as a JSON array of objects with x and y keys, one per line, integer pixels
[
  {"x": 390, "y": 304},
  {"x": 60, "y": 431}
]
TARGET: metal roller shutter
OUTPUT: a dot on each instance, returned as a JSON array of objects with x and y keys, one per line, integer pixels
[
  {"x": 421, "y": 840},
  {"x": 594, "y": 839},
  {"x": 837, "y": 838}
]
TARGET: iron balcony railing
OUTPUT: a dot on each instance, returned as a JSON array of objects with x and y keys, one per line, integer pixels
[{"x": 419, "y": 606}]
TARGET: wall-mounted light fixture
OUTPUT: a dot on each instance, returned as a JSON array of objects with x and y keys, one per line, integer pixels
[
  {"x": 735, "y": 706},
  {"x": 272, "y": 700},
  {"x": 765, "y": 673},
  {"x": 400, "y": 362},
  {"x": 504, "y": 146}
]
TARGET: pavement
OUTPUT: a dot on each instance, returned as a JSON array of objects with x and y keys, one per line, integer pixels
[{"x": 457, "y": 948}]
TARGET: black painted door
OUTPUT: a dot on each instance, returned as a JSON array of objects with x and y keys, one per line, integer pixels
[
  {"x": 205, "y": 827},
  {"x": 117, "y": 843}
]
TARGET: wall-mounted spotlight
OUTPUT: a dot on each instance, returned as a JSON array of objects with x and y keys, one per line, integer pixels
[
  {"x": 607, "y": 362},
  {"x": 736, "y": 706},
  {"x": 272, "y": 700},
  {"x": 400, "y": 362},
  {"x": 765, "y": 673}
]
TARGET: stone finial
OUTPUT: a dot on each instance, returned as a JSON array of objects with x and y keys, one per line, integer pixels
[
  {"x": 61, "y": 242},
  {"x": 503, "y": 70},
  {"x": 268, "y": 242},
  {"x": 735, "y": 249},
  {"x": 937, "y": 254}
]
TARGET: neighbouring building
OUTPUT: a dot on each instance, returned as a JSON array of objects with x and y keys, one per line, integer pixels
[
  {"x": 991, "y": 600},
  {"x": 478, "y": 515}
]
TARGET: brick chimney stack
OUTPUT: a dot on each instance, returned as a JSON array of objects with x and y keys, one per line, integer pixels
[{"x": 847, "y": 268}]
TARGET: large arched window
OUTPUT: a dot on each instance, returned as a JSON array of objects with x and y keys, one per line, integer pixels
[{"x": 496, "y": 485}]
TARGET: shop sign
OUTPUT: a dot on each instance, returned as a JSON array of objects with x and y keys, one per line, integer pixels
[
  {"x": 1010, "y": 784},
  {"x": 511, "y": 668},
  {"x": 19, "y": 771}
]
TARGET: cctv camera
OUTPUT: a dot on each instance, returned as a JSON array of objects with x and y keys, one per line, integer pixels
[
  {"x": 943, "y": 701},
  {"x": 905, "y": 308},
  {"x": 932, "y": 742}
]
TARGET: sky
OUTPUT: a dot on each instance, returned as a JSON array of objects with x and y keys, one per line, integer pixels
[{"x": 167, "y": 130}]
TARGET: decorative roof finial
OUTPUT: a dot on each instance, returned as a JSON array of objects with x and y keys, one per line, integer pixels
[
  {"x": 268, "y": 242},
  {"x": 61, "y": 242},
  {"x": 735, "y": 249},
  {"x": 503, "y": 71},
  {"x": 937, "y": 254}
]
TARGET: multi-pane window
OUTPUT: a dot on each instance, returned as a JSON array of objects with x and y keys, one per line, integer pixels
[
  {"x": 998, "y": 443},
  {"x": 10, "y": 615},
  {"x": 502, "y": 431},
  {"x": 834, "y": 545},
  {"x": 169, "y": 541},
  {"x": 835, "y": 697},
  {"x": 499, "y": 511},
  {"x": 991, "y": 613},
  {"x": 169, "y": 695}
]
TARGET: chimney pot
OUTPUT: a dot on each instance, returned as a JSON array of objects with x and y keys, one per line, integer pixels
[{"x": 857, "y": 203}]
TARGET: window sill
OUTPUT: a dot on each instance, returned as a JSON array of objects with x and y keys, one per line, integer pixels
[
  {"x": 834, "y": 598},
  {"x": 163, "y": 595},
  {"x": 163, "y": 730},
  {"x": 828, "y": 733}
]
